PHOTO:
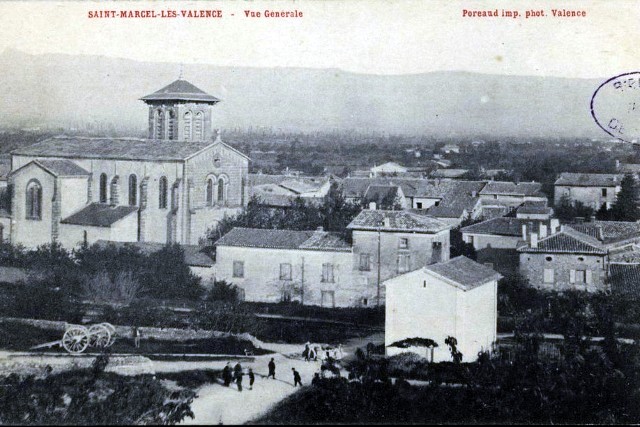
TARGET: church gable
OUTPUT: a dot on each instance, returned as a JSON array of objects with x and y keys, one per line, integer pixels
[{"x": 218, "y": 176}]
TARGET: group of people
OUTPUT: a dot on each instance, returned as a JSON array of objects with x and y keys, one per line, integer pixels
[{"x": 235, "y": 375}]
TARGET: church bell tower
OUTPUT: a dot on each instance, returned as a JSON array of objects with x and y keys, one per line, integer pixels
[{"x": 180, "y": 111}]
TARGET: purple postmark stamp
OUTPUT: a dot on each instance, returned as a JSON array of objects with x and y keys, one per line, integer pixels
[{"x": 615, "y": 106}]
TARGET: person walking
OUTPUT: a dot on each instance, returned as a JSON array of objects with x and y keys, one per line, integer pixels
[
  {"x": 305, "y": 353},
  {"x": 252, "y": 379},
  {"x": 226, "y": 375},
  {"x": 238, "y": 375},
  {"x": 136, "y": 337},
  {"x": 272, "y": 369},
  {"x": 296, "y": 378}
]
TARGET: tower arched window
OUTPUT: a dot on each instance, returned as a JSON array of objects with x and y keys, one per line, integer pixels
[
  {"x": 171, "y": 119},
  {"x": 188, "y": 125},
  {"x": 159, "y": 124},
  {"x": 210, "y": 185},
  {"x": 133, "y": 190},
  {"x": 103, "y": 188},
  {"x": 163, "y": 188},
  {"x": 34, "y": 200},
  {"x": 198, "y": 126},
  {"x": 221, "y": 189}
]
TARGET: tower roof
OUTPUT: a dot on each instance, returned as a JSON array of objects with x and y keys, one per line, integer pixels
[{"x": 181, "y": 90}]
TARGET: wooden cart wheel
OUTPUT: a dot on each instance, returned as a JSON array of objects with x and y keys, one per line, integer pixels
[
  {"x": 99, "y": 336},
  {"x": 75, "y": 339},
  {"x": 112, "y": 331}
]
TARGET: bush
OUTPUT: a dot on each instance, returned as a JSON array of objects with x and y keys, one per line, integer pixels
[
  {"x": 100, "y": 288},
  {"x": 86, "y": 397},
  {"x": 222, "y": 291}
]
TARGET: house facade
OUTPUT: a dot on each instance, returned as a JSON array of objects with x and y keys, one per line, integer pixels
[
  {"x": 591, "y": 189},
  {"x": 577, "y": 256},
  {"x": 456, "y": 298},
  {"x": 169, "y": 188},
  {"x": 321, "y": 268}
]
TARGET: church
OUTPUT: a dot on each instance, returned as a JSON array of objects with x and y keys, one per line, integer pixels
[{"x": 169, "y": 188}]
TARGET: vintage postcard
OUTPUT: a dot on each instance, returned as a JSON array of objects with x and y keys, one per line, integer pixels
[{"x": 319, "y": 212}]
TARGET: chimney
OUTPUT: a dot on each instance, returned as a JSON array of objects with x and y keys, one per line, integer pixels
[
  {"x": 372, "y": 206},
  {"x": 387, "y": 222},
  {"x": 554, "y": 225},
  {"x": 524, "y": 232},
  {"x": 534, "y": 240},
  {"x": 474, "y": 194},
  {"x": 543, "y": 231}
]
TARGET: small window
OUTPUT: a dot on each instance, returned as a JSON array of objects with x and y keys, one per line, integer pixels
[
  {"x": 470, "y": 240},
  {"x": 209, "y": 194},
  {"x": 604, "y": 192},
  {"x": 365, "y": 301},
  {"x": 162, "y": 189},
  {"x": 581, "y": 259},
  {"x": 238, "y": 269},
  {"x": 418, "y": 205},
  {"x": 488, "y": 264},
  {"x": 403, "y": 243},
  {"x": 217, "y": 162},
  {"x": 437, "y": 203},
  {"x": 549, "y": 258},
  {"x": 285, "y": 271},
  {"x": 581, "y": 276},
  {"x": 365, "y": 262},
  {"x": 549, "y": 275},
  {"x": 404, "y": 262},
  {"x": 133, "y": 190},
  {"x": 327, "y": 273},
  {"x": 221, "y": 190},
  {"x": 103, "y": 188}
]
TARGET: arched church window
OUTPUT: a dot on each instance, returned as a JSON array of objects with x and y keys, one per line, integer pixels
[
  {"x": 133, "y": 190},
  {"x": 34, "y": 200},
  {"x": 198, "y": 126},
  {"x": 221, "y": 189},
  {"x": 210, "y": 192},
  {"x": 103, "y": 188},
  {"x": 188, "y": 118},
  {"x": 159, "y": 124},
  {"x": 162, "y": 203}
]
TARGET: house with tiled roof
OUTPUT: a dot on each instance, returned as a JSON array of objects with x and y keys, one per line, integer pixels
[
  {"x": 168, "y": 188},
  {"x": 577, "y": 256},
  {"x": 455, "y": 298},
  {"x": 385, "y": 196},
  {"x": 449, "y": 173},
  {"x": 322, "y": 268},
  {"x": 496, "y": 240},
  {"x": 511, "y": 194},
  {"x": 312, "y": 267},
  {"x": 624, "y": 279},
  {"x": 280, "y": 191},
  {"x": 591, "y": 189}
]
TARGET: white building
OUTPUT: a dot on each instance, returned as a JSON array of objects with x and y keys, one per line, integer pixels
[{"x": 455, "y": 298}]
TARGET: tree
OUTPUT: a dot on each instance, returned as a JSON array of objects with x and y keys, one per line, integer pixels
[{"x": 625, "y": 207}]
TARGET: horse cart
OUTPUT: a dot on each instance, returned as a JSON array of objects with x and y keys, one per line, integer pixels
[{"x": 76, "y": 338}]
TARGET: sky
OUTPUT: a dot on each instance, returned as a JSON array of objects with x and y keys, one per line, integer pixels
[{"x": 363, "y": 36}]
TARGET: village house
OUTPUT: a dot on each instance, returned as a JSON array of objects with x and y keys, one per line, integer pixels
[
  {"x": 449, "y": 173},
  {"x": 171, "y": 187},
  {"x": 320, "y": 268},
  {"x": 577, "y": 255},
  {"x": 385, "y": 196},
  {"x": 456, "y": 298},
  {"x": 312, "y": 267},
  {"x": 496, "y": 240},
  {"x": 389, "y": 168},
  {"x": 512, "y": 194},
  {"x": 281, "y": 190},
  {"x": 591, "y": 189}
]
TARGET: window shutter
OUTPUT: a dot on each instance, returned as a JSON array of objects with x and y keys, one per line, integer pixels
[
  {"x": 589, "y": 275},
  {"x": 572, "y": 276}
]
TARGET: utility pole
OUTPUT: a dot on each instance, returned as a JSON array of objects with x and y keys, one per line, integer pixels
[
  {"x": 378, "y": 285},
  {"x": 302, "y": 283}
]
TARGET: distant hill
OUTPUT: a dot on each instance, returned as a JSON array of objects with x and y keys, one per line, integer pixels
[{"x": 68, "y": 90}]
